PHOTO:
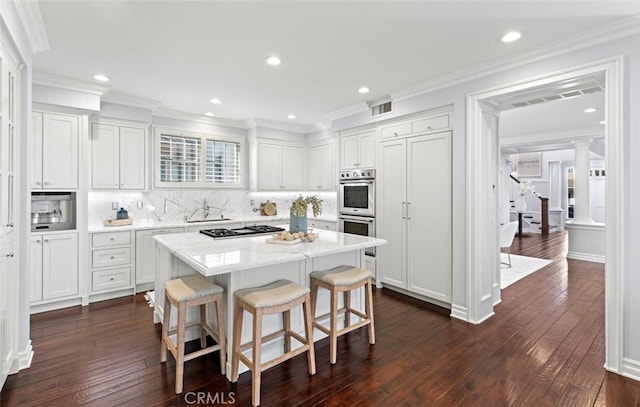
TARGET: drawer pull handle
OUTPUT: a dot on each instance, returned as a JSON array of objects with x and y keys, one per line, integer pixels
[
  {"x": 111, "y": 279},
  {"x": 112, "y": 257}
]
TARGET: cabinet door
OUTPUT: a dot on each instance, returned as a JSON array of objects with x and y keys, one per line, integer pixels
[
  {"x": 313, "y": 167},
  {"x": 146, "y": 253},
  {"x": 327, "y": 172},
  {"x": 429, "y": 216},
  {"x": 390, "y": 211},
  {"x": 36, "y": 153},
  {"x": 35, "y": 268},
  {"x": 59, "y": 151},
  {"x": 105, "y": 144},
  {"x": 132, "y": 158},
  {"x": 269, "y": 166},
  {"x": 367, "y": 150},
  {"x": 292, "y": 167},
  {"x": 348, "y": 152},
  {"x": 59, "y": 265}
]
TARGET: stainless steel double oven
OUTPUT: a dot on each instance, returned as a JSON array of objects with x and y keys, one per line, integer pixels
[{"x": 357, "y": 204}]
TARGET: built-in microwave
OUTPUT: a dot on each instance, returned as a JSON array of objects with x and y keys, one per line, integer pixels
[
  {"x": 357, "y": 192},
  {"x": 53, "y": 211},
  {"x": 359, "y": 225}
]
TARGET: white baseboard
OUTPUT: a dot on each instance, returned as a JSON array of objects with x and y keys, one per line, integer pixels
[
  {"x": 26, "y": 356},
  {"x": 596, "y": 258},
  {"x": 459, "y": 312},
  {"x": 631, "y": 368}
]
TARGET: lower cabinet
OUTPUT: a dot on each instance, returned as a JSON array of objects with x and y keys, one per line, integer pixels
[
  {"x": 54, "y": 266},
  {"x": 322, "y": 224},
  {"x": 111, "y": 260},
  {"x": 146, "y": 253}
]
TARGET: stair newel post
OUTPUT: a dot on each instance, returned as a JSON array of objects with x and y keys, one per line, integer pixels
[{"x": 544, "y": 215}]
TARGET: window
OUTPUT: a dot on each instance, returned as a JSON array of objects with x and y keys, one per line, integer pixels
[{"x": 198, "y": 161}]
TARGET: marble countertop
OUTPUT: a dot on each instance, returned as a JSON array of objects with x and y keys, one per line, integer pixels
[
  {"x": 143, "y": 225},
  {"x": 211, "y": 257}
]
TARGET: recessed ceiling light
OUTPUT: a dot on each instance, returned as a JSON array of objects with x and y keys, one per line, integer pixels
[
  {"x": 100, "y": 77},
  {"x": 364, "y": 89},
  {"x": 274, "y": 60},
  {"x": 603, "y": 122},
  {"x": 291, "y": 116},
  {"x": 209, "y": 114},
  {"x": 590, "y": 110},
  {"x": 215, "y": 101},
  {"x": 511, "y": 36}
]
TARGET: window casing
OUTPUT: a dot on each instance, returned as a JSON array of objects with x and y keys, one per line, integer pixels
[{"x": 198, "y": 161}]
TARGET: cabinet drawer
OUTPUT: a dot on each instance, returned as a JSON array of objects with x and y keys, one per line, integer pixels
[
  {"x": 396, "y": 131},
  {"x": 111, "y": 239},
  {"x": 431, "y": 124},
  {"x": 111, "y": 257},
  {"x": 112, "y": 278}
]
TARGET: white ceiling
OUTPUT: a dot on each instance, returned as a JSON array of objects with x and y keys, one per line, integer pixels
[{"x": 183, "y": 53}]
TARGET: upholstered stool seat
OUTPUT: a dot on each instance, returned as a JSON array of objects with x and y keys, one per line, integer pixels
[
  {"x": 182, "y": 293},
  {"x": 278, "y": 297},
  {"x": 342, "y": 279}
]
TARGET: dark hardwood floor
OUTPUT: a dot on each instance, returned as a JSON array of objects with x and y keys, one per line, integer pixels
[{"x": 544, "y": 347}]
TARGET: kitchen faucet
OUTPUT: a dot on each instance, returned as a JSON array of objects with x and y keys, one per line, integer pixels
[{"x": 205, "y": 208}]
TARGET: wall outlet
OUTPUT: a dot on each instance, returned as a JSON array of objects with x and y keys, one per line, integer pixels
[
  {"x": 140, "y": 204},
  {"x": 114, "y": 205}
]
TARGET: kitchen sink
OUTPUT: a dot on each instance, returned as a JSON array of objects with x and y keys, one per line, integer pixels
[{"x": 207, "y": 220}]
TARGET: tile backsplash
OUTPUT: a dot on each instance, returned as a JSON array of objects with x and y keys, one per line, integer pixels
[{"x": 175, "y": 205}]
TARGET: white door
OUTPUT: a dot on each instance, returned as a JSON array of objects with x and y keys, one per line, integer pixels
[
  {"x": 59, "y": 265},
  {"x": 327, "y": 167},
  {"x": 293, "y": 167},
  {"x": 367, "y": 150},
  {"x": 132, "y": 158},
  {"x": 146, "y": 253},
  {"x": 269, "y": 166},
  {"x": 35, "y": 268},
  {"x": 390, "y": 213},
  {"x": 348, "y": 152},
  {"x": 105, "y": 146},
  {"x": 36, "y": 153},
  {"x": 429, "y": 270},
  {"x": 60, "y": 151}
]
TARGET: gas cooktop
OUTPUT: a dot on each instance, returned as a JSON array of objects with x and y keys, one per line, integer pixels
[{"x": 221, "y": 233}]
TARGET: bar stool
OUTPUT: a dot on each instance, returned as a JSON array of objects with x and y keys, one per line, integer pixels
[
  {"x": 182, "y": 293},
  {"x": 278, "y": 297},
  {"x": 342, "y": 279}
]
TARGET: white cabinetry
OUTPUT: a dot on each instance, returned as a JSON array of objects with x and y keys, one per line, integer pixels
[
  {"x": 146, "y": 253},
  {"x": 280, "y": 166},
  {"x": 55, "y": 151},
  {"x": 423, "y": 125},
  {"x": 322, "y": 224},
  {"x": 321, "y": 168},
  {"x": 358, "y": 150},
  {"x": 54, "y": 266},
  {"x": 414, "y": 215},
  {"x": 111, "y": 260},
  {"x": 118, "y": 159}
]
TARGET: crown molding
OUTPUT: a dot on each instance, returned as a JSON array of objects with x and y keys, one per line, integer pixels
[
  {"x": 130, "y": 100},
  {"x": 29, "y": 14},
  {"x": 60, "y": 82},
  {"x": 178, "y": 115},
  {"x": 273, "y": 124},
  {"x": 347, "y": 111},
  {"x": 608, "y": 32}
]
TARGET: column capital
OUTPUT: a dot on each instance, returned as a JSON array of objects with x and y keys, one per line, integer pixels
[{"x": 582, "y": 143}]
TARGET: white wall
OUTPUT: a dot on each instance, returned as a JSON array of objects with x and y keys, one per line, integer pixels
[{"x": 629, "y": 48}]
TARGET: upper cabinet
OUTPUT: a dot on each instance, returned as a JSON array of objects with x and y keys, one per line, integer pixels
[
  {"x": 321, "y": 167},
  {"x": 358, "y": 150},
  {"x": 55, "y": 151},
  {"x": 280, "y": 166},
  {"x": 118, "y": 156},
  {"x": 416, "y": 127}
]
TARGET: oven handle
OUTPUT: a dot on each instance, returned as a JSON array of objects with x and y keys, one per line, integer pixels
[
  {"x": 358, "y": 219},
  {"x": 356, "y": 183}
]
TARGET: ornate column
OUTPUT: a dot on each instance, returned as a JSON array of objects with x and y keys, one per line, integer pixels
[{"x": 582, "y": 206}]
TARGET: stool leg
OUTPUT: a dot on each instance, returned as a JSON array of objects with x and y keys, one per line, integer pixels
[
  {"x": 369, "y": 305},
  {"x": 347, "y": 307},
  {"x": 237, "y": 335},
  {"x": 333, "y": 337},
  {"x": 203, "y": 321},
  {"x": 221, "y": 339},
  {"x": 182, "y": 317},
  {"x": 308, "y": 327},
  {"x": 314, "y": 297},
  {"x": 286, "y": 326},
  {"x": 256, "y": 369},
  {"x": 166, "y": 319}
]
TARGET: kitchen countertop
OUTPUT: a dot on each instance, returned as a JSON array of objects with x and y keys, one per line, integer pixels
[
  {"x": 143, "y": 225},
  {"x": 212, "y": 257}
]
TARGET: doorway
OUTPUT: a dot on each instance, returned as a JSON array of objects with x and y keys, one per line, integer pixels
[{"x": 481, "y": 277}]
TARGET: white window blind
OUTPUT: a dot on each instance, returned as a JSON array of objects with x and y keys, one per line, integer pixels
[
  {"x": 179, "y": 159},
  {"x": 222, "y": 162}
]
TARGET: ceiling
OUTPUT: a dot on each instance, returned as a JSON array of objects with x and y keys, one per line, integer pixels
[{"x": 181, "y": 54}]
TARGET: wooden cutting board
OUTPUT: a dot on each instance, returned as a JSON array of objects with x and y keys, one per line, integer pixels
[{"x": 268, "y": 209}]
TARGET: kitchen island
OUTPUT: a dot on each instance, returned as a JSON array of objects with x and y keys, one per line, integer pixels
[{"x": 250, "y": 262}]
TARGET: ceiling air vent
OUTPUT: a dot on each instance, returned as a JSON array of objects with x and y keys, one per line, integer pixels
[{"x": 381, "y": 108}]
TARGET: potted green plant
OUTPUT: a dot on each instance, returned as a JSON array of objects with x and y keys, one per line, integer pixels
[{"x": 298, "y": 212}]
